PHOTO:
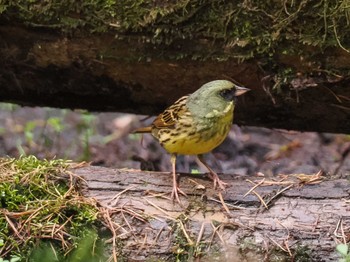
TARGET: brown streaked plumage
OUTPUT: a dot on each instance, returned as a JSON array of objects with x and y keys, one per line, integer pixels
[{"x": 196, "y": 124}]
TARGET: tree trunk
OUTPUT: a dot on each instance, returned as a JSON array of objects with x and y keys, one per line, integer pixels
[{"x": 258, "y": 219}]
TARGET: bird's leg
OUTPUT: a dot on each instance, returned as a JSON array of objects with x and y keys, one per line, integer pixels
[
  {"x": 176, "y": 189},
  {"x": 212, "y": 174}
]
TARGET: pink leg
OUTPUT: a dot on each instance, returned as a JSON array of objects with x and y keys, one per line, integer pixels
[
  {"x": 176, "y": 189},
  {"x": 213, "y": 175}
]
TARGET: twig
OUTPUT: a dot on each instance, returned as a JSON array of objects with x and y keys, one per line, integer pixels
[
  {"x": 337, "y": 38},
  {"x": 114, "y": 235},
  {"x": 278, "y": 244},
  {"x": 13, "y": 227},
  {"x": 158, "y": 235},
  {"x": 227, "y": 204},
  {"x": 278, "y": 193},
  {"x": 341, "y": 107},
  {"x": 200, "y": 234},
  {"x": 255, "y": 186},
  {"x": 117, "y": 196},
  {"x": 127, "y": 223},
  {"x": 340, "y": 225},
  {"x": 160, "y": 209},
  {"x": 223, "y": 203},
  {"x": 342, "y": 233},
  {"x": 189, "y": 240},
  {"x": 332, "y": 92},
  {"x": 286, "y": 240},
  {"x": 261, "y": 199},
  {"x": 215, "y": 232}
]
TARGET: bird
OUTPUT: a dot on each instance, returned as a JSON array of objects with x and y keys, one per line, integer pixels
[{"x": 196, "y": 124}]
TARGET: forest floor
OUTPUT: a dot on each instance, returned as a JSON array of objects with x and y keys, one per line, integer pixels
[{"x": 106, "y": 139}]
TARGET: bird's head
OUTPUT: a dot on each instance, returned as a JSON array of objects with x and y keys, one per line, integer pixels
[{"x": 216, "y": 95}]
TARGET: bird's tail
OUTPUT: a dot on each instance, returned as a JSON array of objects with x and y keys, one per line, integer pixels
[{"x": 147, "y": 129}]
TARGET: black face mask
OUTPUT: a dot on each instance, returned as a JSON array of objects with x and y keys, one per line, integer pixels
[{"x": 228, "y": 94}]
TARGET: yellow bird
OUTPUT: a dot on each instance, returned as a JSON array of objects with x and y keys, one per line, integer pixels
[{"x": 196, "y": 124}]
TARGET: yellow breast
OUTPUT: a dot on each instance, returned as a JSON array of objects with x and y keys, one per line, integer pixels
[{"x": 194, "y": 138}]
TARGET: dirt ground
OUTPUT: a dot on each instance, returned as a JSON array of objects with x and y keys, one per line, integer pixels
[{"x": 106, "y": 139}]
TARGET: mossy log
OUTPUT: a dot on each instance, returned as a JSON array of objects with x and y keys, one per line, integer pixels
[
  {"x": 300, "y": 220},
  {"x": 102, "y": 73},
  {"x": 141, "y": 56}
]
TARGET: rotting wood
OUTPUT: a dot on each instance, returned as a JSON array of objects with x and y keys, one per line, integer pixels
[{"x": 313, "y": 215}]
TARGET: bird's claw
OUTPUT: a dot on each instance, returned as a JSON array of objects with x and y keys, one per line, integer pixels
[
  {"x": 175, "y": 194},
  {"x": 222, "y": 185}
]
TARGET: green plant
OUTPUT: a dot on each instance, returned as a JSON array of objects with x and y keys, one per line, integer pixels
[
  {"x": 343, "y": 250},
  {"x": 86, "y": 130},
  {"x": 40, "y": 201},
  {"x": 88, "y": 248}
]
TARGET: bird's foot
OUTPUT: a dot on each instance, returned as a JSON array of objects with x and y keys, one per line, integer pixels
[
  {"x": 175, "y": 194},
  {"x": 222, "y": 185},
  {"x": 212, "y": 175},
  {"x": 217, "y": 181},
  {"x": 176, "y": 190}
]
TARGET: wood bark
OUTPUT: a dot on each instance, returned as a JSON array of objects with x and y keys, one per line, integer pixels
[
  {"x": 40, "y": 67},
  {"x": 300, "y": 216}
]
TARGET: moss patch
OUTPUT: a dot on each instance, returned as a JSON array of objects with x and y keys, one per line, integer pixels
[
  {"x": 247, "y": 29},
  {"x": 41, "y": 208}
]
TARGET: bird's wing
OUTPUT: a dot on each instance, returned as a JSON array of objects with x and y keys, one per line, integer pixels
[{"x": 169, "y": 117}]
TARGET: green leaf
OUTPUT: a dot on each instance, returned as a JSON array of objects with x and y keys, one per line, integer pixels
[{"x": 343, "y": 249}]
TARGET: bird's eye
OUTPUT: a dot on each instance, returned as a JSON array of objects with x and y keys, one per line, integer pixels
[{"x": 228, "y": 94}]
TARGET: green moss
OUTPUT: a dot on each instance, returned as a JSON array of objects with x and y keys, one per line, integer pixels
[
  {"x": 38, "y": 202},
  {"x": 184, "y": 247},
  {"x": 246, "y": 29},
  {"x": 302, "y": 254},
  {"x": 65, "y": 15},
  {"x": 272, "y": 32}
]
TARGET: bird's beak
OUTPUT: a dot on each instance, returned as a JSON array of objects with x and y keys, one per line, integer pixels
[{"x": 240, "y": 90}]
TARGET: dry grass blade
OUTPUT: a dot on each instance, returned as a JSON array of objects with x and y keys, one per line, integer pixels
[
  {"x": 115, "y": 199},
  {"x": 158, "y": 235},
  {"x": 106, "y": 215},
  {"x": 189, "y": 240},
  {"x": 340, "y": 226},
  {"x": 344, "y": 97},
  {"x": 168, "y": 216},
  {"x": 278, "y": 193},
  {"x": 332, "y": 92},
  {"x": 341, "y": 107},
  {"x": 227, "y": 204},
  {"x": 13, "y": 227},
  {"x": 254, "y": 187},
  {"x": 310, "y": 179},
  {"x": 39, "y": 196},
  {"x": 200, "y": 234},
  {"x": 285, "y": 242},
  {"x": 223, "y": 203},
  {"x": 252, "y": 190},
  {"x": 212, "y": 235},
  {"x": 277, "y": 244},
  {"x": 261, "y": 199}
]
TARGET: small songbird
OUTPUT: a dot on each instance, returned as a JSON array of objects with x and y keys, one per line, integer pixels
[{"x": 196, "y": 124}]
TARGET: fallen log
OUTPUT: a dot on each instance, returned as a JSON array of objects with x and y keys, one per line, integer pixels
[
  {"x": 105, "y": 73},
  {"x": 257, "y": 218}
]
